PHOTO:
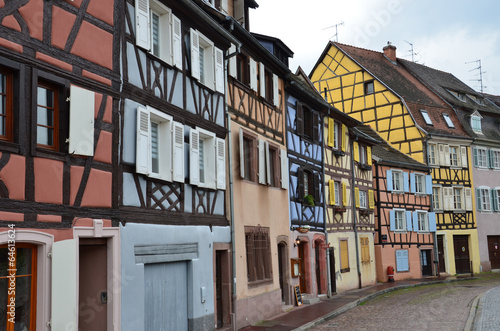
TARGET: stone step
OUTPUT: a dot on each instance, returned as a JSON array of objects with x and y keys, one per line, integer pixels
[
  {"x": 309, "y": 299},
  {"x": 286, "y": 308}
]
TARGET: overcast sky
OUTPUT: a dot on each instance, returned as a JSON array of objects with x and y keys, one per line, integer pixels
[{"x": 445, "y": 34}]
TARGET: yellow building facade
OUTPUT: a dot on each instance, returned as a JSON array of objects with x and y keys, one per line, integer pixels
[{"x": 375, "y": 89}]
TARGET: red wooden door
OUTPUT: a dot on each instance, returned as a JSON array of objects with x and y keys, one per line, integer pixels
[{"x": 494, "y": 251}]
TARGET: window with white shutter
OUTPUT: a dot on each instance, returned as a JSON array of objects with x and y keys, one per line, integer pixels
[
  {"x": 202, "y": 158},
  {"x": 81, "y": 121}
]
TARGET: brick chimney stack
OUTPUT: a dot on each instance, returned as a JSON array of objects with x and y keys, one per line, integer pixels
[{"x": 390, "y": 51}]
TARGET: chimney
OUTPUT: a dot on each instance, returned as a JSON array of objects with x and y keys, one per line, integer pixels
[{"x": 390, "y": 51}]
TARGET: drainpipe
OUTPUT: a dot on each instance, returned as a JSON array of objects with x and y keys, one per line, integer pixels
[
  {"x": 328, "y": 271},
  {"x": 231, "y": 195},
  {"x": 436, "y": 253},
  {"x": 355, "y": 223}
]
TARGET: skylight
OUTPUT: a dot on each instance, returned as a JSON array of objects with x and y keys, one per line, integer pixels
[
  {"x": 448, "y": 120},
  {"x": 426, "y": 117}
]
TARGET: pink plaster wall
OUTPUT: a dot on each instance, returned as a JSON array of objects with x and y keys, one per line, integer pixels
[
  {"x": 48, "y": 180},
  {"x": 103, "y": 149},
  {"x": 62, "y": 23},
  {"x": 32, "y": 13},
  {"x": 11, "y": 217},
  {"x": 98, "y": 190},
  {"x": 54, "y": 61},
  {"x": 88, "y": 36},
  {"x": 102, "y": 9},
  {"x": 10, "y": 45},
  {"x": 11, "y": 22},
  {"x": 76, "y": 173},
  {"x": 14, "y": 175},
  {"x": 387, "y": 257}
]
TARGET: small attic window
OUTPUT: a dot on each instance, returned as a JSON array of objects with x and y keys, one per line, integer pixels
[
  {"x": 460, "y": 96},
  {"x": 369, "y": 88},
  {"x": 426, "y": 117},
  {"x": 475, "y": 123},
  {"x": 479, "y": 101},
  {"x": 448, "y": 120}
]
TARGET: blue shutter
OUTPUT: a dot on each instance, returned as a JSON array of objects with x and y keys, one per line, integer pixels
[
  {"x": 432, "y": 221},
  {"x": 408, "y": 221},
  {"x": 474, "y": 156},
  {"x": 478, "y": 199},
  {"x": 494, "y": 200},
  {"x": 389, "y": 180},
  {"x": 392, "y": 219},
  {"x": 428, "y": 184},
  {"x": 405, "y": 182},
  {"x": 412, "y": 183},
  {"x": 402, "y": 260},
  {"x": 415, "y": 221}
]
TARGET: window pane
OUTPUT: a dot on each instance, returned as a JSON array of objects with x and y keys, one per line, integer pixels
[
  {"x": 306, "y": 183},
  {"x": 45, "y": 97},
  {"x": 23, "y": 261},
  {"x": 45, "y": 116},
  {"x": 155, "y": 27},
  {"x": 155, "y": 160},
  {"x": 202, "y": 62},
  {"x": 4, "y": 262},
  {"x": 247, "y": 158},
  {"x": 45, "y": 136},
  {"x": 202, "y": 161},
  {"x": 3, "y": 301},
  {"x": 23, "y": 303},
  {"x": 272, "y": 156}
]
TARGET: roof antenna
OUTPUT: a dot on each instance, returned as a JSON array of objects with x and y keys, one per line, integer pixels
[
  {"x": 411, "y": 51},
  {"x": 336, "y": 35},
  {"x": 481, "y": 72}
]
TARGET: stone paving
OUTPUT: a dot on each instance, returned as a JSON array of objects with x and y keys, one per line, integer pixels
[{"x": 488, "y": 313}]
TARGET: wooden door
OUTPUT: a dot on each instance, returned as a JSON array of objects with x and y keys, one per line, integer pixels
[
  {"x": 302, "y": 277},
  {"x": 494, "y": 251},
  {"x": 442, "y": 267},
  {"x": 461, "y": 248},
  {"x": 333, "y": 284},
  {"x": 426, "y": 262},
  {"x": 93, "y": 279}
]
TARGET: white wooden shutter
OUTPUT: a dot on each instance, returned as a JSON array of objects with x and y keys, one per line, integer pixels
[
  {"x": 262, "y": 162},
  {"x": 242, "y": 155},
  {"x": 194, "y": 159},
  {"x": 195, "y": 54},
  {"x": 276, "y": 92},
  {"x": 262, "y": 80},
  {"x": 143, "y": 142},
  {"x": 447, "y": 160},
  {"x": 64, "y": 302},
  {"x": 142, "y": 33},
  {"x": 253, "y": 74},
  {"x": 176, "y": 42},
  {"x": 81, "y": 121},
  {"x": 441, "y": 155},
  {"x": 463, "y": 153},
  {"x": 468, "y": 198},
  {"x": 221, "y": 164},
  {"x": 232, "y": 61},
  {"x": 448, "y": 198},
  {"x": 219, "y": 70},
  {"x": 178, "y": 152},
  {"x": 284, "y": 169}
]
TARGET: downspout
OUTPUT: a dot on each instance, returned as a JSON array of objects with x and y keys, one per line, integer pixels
[
  {"x": 231, "y": 189},
  {"x": 377, "y": 178},
  {"x": 436, "y": 253},
  {"x": 355, "y": 223},
  {"x": 328, "y": 271}
]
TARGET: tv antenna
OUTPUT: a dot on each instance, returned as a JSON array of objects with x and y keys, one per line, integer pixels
[
  {"x": 411, "y": 51},
  {"x": 336, "y": 35},
  {"x": 481, "y": 72}
]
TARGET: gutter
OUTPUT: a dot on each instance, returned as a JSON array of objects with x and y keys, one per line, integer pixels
[
  {"x": 354, "y": 219},
  {"x": 328, "y": 271}
]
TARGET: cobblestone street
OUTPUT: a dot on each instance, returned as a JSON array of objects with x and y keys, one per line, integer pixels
[{"x": 431, "y": 307}]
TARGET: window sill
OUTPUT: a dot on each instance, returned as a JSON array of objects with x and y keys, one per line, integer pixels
[
  {"x": 338, "y": 153},
  {"x": 364, "y": 166},
  {"x": 8, "y": 146},
  {"x": 345, "y": 270},
  {"x": 400, "y": 231},
  {"x": 338, "y": 209},
  {"x": 366, "y": 211},
  {"x": 257, "y": 283}
]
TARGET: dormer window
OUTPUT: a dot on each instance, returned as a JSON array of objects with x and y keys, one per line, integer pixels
[
  {"x": 426, "y": 117},
  {"x": 460, "y": 96},
  {"x": 475, "y": 122},
  {"x": 448, "y": 120},
  {"x": 479, "y": 101}
]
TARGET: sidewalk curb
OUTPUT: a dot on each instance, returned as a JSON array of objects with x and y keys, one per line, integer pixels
[
  {"x": 476, "y": 307},
  {"x": 368, "y": 297}
]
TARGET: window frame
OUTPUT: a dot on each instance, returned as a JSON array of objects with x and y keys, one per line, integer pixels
[
  {"x": 432, "y": 154},
  {"x": 495, "y": 158},
  {"x": 481, "y": 157},
  {"x": 400, "y": 225},
  {"x": 427, "y": 118},
  {"x": 405, "y": 256},
  {"x": 249, "y": 168},
  {"x": 8, "y": 96},
  {"x": 454, "y": 162},
  {"x": 57, "y": 112},
  {"x": 484, "y": 199},
  {"x": 475, "y": 123},
  {"x": 422, "y": 219},
  {"x": 448, "y": 121},
  {"x": 258, "y": 255},
  {"x": 437, "y": 204},
  {"x": 363, "y": 199},
  {"x": 420, "y": 179},
  {"x": 369, "y": 87},
  {"x": 400, "y": 180},
  {"x": 458, "y": 198}
]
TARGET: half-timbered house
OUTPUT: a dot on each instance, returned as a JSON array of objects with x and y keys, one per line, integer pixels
[
  {"x": 377, "y": 89},
  {"x": 404, "y": 225},
  {"x": 175, "y": 233},
  {"x": 478, "y": 115},
  {"x": 59, "y": 254}
]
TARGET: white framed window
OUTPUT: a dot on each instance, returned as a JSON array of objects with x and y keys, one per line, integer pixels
[
  {"x": 448, "y": 120},
  {"x": 158, "y": 30},
  {"x": 159, "y": 145},
  {"x": 420, "y": 221},
  {"x": 335, "y": 193},
  {"x": 363, "y": 199},
  {"x": 480, "y": 156},
  {"x": 432, "y": 154},
  {"x": 426, "y": 117},
  {"x": 494, "y": 158},
  {"x": 475, "y": 123},
  {"x": 484, "y": 198},
  {"x": 420, "y": 183},
  {"x": 206, "y": 159},
  {"x": 495, "y": 199},
  {"x": 458, "y": 198},
  {"x": 400, "y": 220},
  {"x": 437, "y": 199},
  {"x": 454, "y": 160},
  {"x": 207, "y": 62},
  {"x": 397, "y": 181}
]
